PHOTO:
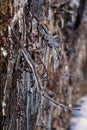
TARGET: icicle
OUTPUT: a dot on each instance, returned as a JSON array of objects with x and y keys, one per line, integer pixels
[
  {"x": 46, "y": 57},
  {"x": 25, "y": 29},
  {"x": 32, "y": 70},
  {"x": 49, "y": 120},
  {"x": 14, "y": 20},
  {"x": 59, "y": 110},
  {"x": 40, "y": 111},
  {"x": 17, "y": 123},
  {"x": 56, "y": 60},
  {"x": 20, "y": 123},
  {"x": 20, "y": 24},
  {"x": 9, "y": 79},
  {"x": 28, "y": 98},
  {"x": 32, "y": 104},
  {"x": 9, "y": 31},
  {"x": 18, "y": 59},
  {"x": 70, "y": 89},
  {"x": 18, "y": 88},
  {"x": 23, "y": 75},
  {"x": 37, "y": 102},
  {"x": 27, "y": 111},
  {"x": 9, "y": 35},
  {"x": 24, "y": 81},
  {"x": 16, "y": 2}
]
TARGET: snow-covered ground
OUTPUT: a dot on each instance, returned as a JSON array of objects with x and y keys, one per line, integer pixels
[{"x": 79, "y": 117}]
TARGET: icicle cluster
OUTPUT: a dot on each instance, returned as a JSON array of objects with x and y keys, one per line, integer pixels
[{"x": 35, "y": 56}]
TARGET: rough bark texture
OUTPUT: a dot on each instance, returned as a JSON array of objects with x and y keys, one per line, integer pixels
[{"x": 47, "y": 64}]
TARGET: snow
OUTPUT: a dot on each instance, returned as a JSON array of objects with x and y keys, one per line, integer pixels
[
  {"x": 79, "y": 117},
  {"x": 74, "y": 3}
]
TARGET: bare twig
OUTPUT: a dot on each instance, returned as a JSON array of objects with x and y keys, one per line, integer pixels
[{"x": 29, "y": 61}]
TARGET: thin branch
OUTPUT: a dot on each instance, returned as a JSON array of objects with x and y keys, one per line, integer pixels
[
  {"x": 29, "y": 61},
  {"x": 32, "y": 65},
  {"x": 57, "y": 103}
]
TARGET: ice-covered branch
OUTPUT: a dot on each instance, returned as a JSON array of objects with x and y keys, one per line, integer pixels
[
  {"x": 57, "y": 103},
  {"x": 29, "y": 61}
]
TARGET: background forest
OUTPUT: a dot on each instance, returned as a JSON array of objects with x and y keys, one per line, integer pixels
[{"x": 43, "y": 63}]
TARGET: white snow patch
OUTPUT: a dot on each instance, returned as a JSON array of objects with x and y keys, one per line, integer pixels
[{"x": 79, "y": 119}]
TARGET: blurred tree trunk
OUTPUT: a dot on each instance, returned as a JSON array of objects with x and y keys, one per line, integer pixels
[{"x": 82, "y": 43}]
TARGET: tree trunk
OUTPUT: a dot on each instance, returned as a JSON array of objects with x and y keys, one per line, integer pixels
[{"x": 46, "y": 64}]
